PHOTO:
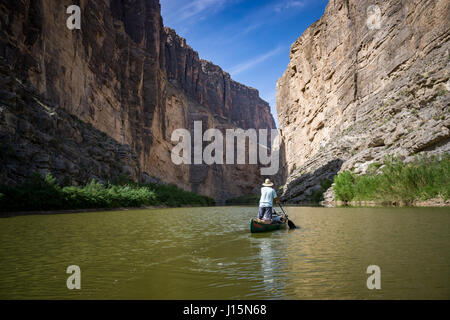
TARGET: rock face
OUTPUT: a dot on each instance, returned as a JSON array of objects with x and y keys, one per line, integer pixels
[
  {"x": 209, "y": 85},
  {"x": 36, "y": 137},
  {"x": 369, "y": 79},
  {"x": 130, "y": 78}
]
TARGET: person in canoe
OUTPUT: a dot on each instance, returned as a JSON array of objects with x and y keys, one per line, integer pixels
[{"x": 268, "y": 195}]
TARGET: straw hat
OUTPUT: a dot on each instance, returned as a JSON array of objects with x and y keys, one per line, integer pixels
[{"x": 267, "y": 183}]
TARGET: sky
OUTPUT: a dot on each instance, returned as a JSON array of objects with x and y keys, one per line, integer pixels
[{"x": 249, "y": 39}]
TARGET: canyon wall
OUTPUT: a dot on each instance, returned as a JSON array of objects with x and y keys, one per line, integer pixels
[
  {"x": 369, "y": 79},
  {"x": 127, "y": 77}
]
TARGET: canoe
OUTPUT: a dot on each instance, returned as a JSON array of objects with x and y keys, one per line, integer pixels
[{"x": 256, "y": 226}]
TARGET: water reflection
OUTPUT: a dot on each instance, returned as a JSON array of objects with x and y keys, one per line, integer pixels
[{"x": 267, "y": 264}]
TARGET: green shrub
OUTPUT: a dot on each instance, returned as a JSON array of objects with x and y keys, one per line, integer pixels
[
  {"x": 422, "y": 179},
  {"x": 172, "y": 196},
  {"x": 326, "y": 184},
  {"x": 317, "y": 195},
  {"x": 344, "y": 186},
  {"x": 246, "y": 199},
  {"x": 45, "y": 194},
  {"x": 36, "y": 193}
]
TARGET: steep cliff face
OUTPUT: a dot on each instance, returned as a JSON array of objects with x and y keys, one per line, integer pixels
[
  {"x": 370, "y": 78},
  {"x": 211, "y": 86},
  {"x": 198, "y": 90},
  {"x": 129, "y": 78},
  {"x": 36, "y": 137}
]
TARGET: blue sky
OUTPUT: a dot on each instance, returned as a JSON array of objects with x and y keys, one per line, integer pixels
[{"x": 249, "y": 39}]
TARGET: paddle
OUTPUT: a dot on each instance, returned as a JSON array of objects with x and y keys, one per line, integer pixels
[{"x": 290, "y": 223}]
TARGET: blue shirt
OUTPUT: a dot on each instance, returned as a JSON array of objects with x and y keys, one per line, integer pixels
[{"x": 267, "y": 196}]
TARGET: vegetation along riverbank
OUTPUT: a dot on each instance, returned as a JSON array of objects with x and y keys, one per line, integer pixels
[
  {"x": 39, "y": 193},
  {"x": 424, "y": 181}
]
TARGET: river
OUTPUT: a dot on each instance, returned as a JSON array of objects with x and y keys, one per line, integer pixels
[{"x": 209, "y": 253}]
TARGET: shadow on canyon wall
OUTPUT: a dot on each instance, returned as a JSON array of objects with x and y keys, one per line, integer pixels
[
  {"x": 37, "y": 136},
  {"x": 301, "y": 188}
]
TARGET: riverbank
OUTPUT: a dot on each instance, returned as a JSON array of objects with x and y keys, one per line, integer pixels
[
  {"x": 436, "y": 202},
  {"x": 425, "y": 181},
  {"x": 45, "y": 194}
]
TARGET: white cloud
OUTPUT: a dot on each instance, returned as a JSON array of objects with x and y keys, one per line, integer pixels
[
  {"x": 261, "y": 17},
  {"x": 291, "y": 4},
  {"x": 198, "y": 6},
  {"x": 253, "y": 62},
  {"x": 192, "y": 9}
]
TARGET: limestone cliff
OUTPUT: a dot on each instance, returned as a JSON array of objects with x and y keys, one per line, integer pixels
[
  {"x": 370, "y": 78},
  {"x": 129, "y": 78}
]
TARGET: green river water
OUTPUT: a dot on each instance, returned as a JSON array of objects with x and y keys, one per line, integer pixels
[{"x": 209, "y": 253}]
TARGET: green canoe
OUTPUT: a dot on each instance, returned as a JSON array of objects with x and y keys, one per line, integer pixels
[{"x": 256, "y": 226}]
